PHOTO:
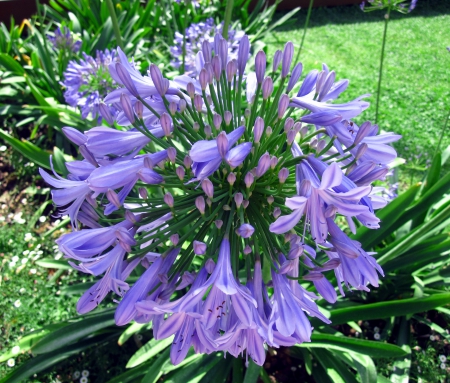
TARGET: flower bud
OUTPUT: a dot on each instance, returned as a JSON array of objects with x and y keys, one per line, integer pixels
[
  {"x": 125, "y": 102},
  {"x": 217, "y": 67},
  {"x": 276, "y": 60},
  {"x": 231, "y": 178},
  {"x": 198, "y": 103},
  {"x": 291, "y": 137},
  {"x": 321, "y": 145},
  {"x": 75, "y": 135},
  {"x": 139, "y": 109},
  {"x": 296, "y": 73},
  {"x": 267, "y": 88},
  {"x": 362, "y": 149},
  {"x": 248, "y": 180},
  {"x": 297, "y": 127},
  {"x": 203, "y": 79},
  {"x": 166, "y": 124},
  {"x": 172, "y": 153},
  {"x": 182, "y": 105},
  {"x": 227, "y": 117},
  {"x": 106, "y": 113},
  {"x": 206, "y": 50},
  {"x": 180, "y": 172},
  {"x": 238, "y": 198},
  {"x": 283, "y": 174},
  {"x": 208, "y": 202},
  {"x": 173, "y": 108},
  {"x": 148, "y": 163},
  {"x": 88, "y": 156},
  {"x": 276, "y": 212},
  {"x": 258, "y": 129},
  {"x": 260, "y": 66},
  {"x": 245, "y": 230},
  {"x": 174, "y": 238},
  {"x": 245, "y": 203},
  {"x": 304, "y": 131},
  {"x": 208, "y": 187},
  {"x": 247, "y": 113},
  {"x": 288, "y": 53},
  {"x": 210, "y": 266},
  {"x": 288, "y": 124},
  {"x": 218, "y": 223},
  {"x": 190, "y": 89},
  {"x": 222, "y": 144},
  {"x": 200, "y": 204},
  {"x": 273, "y": 162},
  {"x": 208, "y": 131},
  {"x": 168, "y": 199},
  {"x": 199, "y": 248},
  {"x": 247, "y": 250},
  {"x": 243, "y": 53},
  {"x": 268, "y": 131},
  {"x": 363, "y": 131},
  {"x": 196, "y": 126},
  {"x": 143, "y": 193},
  {"x": 217, "y": 120},
  {"x": 129, "y": 216},
  {"x": 187, "y": 162},
  {"x": 126, "y": 80},
  {"x": 282, "y": 105},
  {"x": 263, "y": 165},
  {"x": 270, "y": 199},
  {"x": 223, "y": 52},
  {"x": 113, "y": 198},
  {"x": 210, "y": 71},
  {"x": 231, "y": 70}
]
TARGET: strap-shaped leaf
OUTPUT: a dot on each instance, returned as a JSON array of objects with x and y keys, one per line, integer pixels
[
  {"x": 148, "y": 351},
  {"x": 361, "y": 346}
]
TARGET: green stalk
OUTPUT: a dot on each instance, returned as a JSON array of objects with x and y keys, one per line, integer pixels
[
  {"x": 305, "y": 28},
  {"x": 380, "y": 73},
  {"x": 115, "y": 23},
  {"x": 228, "y": 14}
]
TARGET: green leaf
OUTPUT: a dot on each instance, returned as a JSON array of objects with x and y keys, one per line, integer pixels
[
  {"x": 74, "y": 331},
  {"x": 387, "y": 309},
  {"x": 10, "y": 64},
  {"x": 148, "y": 351},
  {"x": 49, "y": 263},
  {"x": 156, "y": 370},
  {"x": 252, "y": 373},
  {"x": 402, "y": 365},
  {"x": 335, "y": 369},
  {"x": 345, "y": 344}
]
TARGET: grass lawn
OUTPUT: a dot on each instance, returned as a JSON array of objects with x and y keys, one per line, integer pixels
[{"x": 416, "y": 78}]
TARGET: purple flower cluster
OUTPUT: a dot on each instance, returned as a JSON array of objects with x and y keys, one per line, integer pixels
[
  {"x": 397, "y": 5},
  {"x": 226, "y": 188},
  {"x": 195, "y": 35},
  {"x": 88, "y": 81},
  {"x": 64, "y": 40}
]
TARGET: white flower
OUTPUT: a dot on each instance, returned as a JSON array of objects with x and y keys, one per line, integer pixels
[
  {"x": 26, "y": 252},
  {"x": 432, "y": 338},
  {"x": 83, "y": 380},
  {"x": 3, "y": 148},
  {"x": 15, "y": 350},
  {"x": 442, "y": 358},
  {"x": 42, "y": 219},
  {"x": 85, "y": 373},
  {"x": 24, "y": 202},
  {"x": 33, "y": 271},
  {"x": 17, "y": 303},
  {"x": 443, "y": 366},
  {"x": 12, "y": 264},
  {"x": 15, "y": 258},
  {"x": 376, "y": 329},
  {"x": 11, "y": 362},
  {"x": 376, "y": 336},
  {"x": 24, "y": 260},
  {"x": 22, "y": 290},
  {"x": 76, "y": 374}
]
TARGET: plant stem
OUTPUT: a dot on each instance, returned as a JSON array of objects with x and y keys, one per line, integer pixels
[
  {"x": 386, "y": 21},
  {"x": 228, "y": 13},
  {"x": 115, "y": 23},
  {"x": 305, "y": 28}
]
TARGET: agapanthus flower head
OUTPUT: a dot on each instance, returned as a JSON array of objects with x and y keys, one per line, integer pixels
[
  {"x": 244, "y": 178},
  {"x": 87, "y": 81},
  {"x": 64, "y": 40},
  {"x": 198, "y": 42},
  {"x": 402, "y": 6}
]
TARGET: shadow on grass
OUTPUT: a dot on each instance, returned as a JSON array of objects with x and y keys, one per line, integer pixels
[{"x": 352, "y": 14}]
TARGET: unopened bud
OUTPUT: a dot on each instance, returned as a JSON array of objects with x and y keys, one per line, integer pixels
[
  {"x": 168, "y": 199},
  {"x": 273, "y": 162},
  {"x": 362, "y": 149},
  {"x": 291, "y": 137},
  {"x": 247, "y": 250},
  {"x": 283, "y": 174},
  {"x": 166, "y": 124},
  {"x": 210, "y": 266},
  {"x": 125, "y": 102},
  {"x": 321, "y": 145},
  {"x": 208, "y": 202},
  {"x": 113, "y": 198},
  {"x": 200, "y": 204},
  {"x": 172, "y": 154},
  {"x": 190, "y": 89},
  {"x": 258, "y": 129},
  {"x": 139, "y": 109},
  {"x": 238, "y": 198},
  {"x": 249, "y": 179},
  {"x": 208, "y": 187},
  {"x": 245, "y": 203},
  {"x": 180, "y": 172},
  {"x": 288, "y": 124},
  {"x": 227, "y": 117},
  {"x": 148, "y": 163},
  {"x": 173, "y": 108},
  {"x": 175, "y": 238},
  {"x": 282, "y": 105},
  {"x": 207, "y": 131},
  {"x": 263, "y": 165},
  {"x": 270, "y": 199},
  {"x": 218, "y": 223},
  {"x": 203, "y": 78},
  {"x": 222, "y": 144},
  {"x": 143, "y": 193},
  {"x": 198, "y": 103},
  {"x": 187, "y": 162},
  {"x": 217, "y": 120},
  {"x": 129, "y": 216},
  {"x": 276, "y": 212},
  {"x": 304, "y": 131},
  {"x": 247, "y": 113},
  {"x": 199, "y": 247},
  {"x": 231, "y": 178},
  {"x": 196, "y": 126},
  {"x": 182, "y": 105},
  {"x": 268, "y": 131},
  {"x": 267, "y": 88}
]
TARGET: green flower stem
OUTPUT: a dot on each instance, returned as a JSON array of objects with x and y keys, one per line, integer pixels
[
  {"x": 380, "y": 73},
  {"x": 305, "y": 28},
  {"x": 228, "y": 14},
  {"x": 115, "y": 24}
]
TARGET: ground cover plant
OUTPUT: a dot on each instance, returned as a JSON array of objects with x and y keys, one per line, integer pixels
[{"x": 396, "y": 332}]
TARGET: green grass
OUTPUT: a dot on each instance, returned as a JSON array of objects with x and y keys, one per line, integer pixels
[{"x": 416, "y": 78}]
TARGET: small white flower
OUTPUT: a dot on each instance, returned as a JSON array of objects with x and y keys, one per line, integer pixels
[
  {"x": 33, "y": 271},
  {"x": 26, "y": 252},
  {"x": 83, "y": 380},
  {"x": 24, "y": 201},
  {"x": 443, "y": 366},
  {"x": 376, "y": 336},
  {"x": 15, "y": 350},
  {"x": 12, "y": 264},
  {"x": 24, "y": 260},
  {"x": 85, "y": 373},
  {"x": 42, "y": 218},
  {"x": 2, "y": 219},
  {"x": 15, "y": 258},
  {"x": 3, "y": 148},
  {"x": 11, "y": 362},
  {"x": 22, "y": 290},
  {"x": 40, "y": 252},
  {"x": 17, "y": 303},
  {"x": 376, "y": 329},
  {"x": 76, "y": 374},
  {"x": 442, "y": 358},
  {"x": 28, "y": 237},
  {"x": 432, "y": 338}
]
